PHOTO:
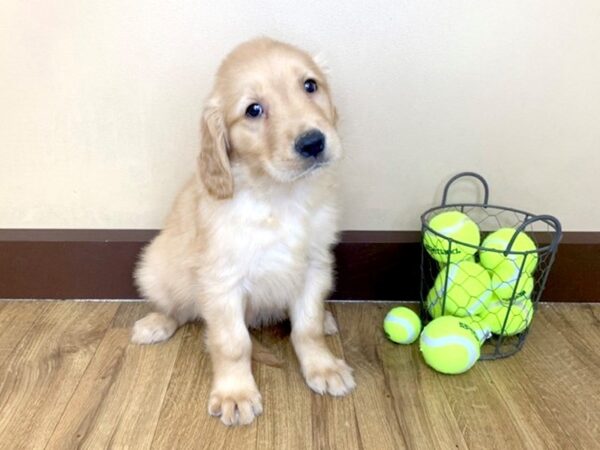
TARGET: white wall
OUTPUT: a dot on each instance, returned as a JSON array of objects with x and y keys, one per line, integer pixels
[{"x": 100, "y": 100}]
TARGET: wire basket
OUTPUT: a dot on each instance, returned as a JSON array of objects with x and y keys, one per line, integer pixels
[{"x": 500, "y": 311}]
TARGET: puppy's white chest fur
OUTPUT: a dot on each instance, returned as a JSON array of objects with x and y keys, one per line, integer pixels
[
  {"x": 270, "y": 243},
  {"x": 270, "y": 236}
]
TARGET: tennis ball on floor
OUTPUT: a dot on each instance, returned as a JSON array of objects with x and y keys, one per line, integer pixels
[
  {"x": 449, "y": 345},
  {"x": 517, "y": 318},
  {"x": 454, "y": 225},
  {"x": 507, "y": 276},
  {"x": 402, "y": 325},
  {"x": 466, "y": 288},
  {"x": 499, "y": 240}
]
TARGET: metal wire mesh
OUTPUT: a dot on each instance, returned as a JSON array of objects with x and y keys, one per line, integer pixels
[{"x": 508, "y": 317}]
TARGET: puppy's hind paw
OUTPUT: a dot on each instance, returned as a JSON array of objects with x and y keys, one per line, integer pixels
[
  {"x": 329, "y": 324},
  {"x": 155, "y": 327}
]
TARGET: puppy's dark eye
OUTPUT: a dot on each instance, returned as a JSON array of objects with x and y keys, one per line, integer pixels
[
  {"x": 310, "y": 86},
  {"x": 254, "y": 110}
]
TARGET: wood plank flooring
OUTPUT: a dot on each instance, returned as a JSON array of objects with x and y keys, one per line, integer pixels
[{"x": 69, "y": 378}]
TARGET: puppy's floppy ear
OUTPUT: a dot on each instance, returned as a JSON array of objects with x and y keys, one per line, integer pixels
[
  {"x": 213, "y": 162},
  {"x": 321, "y": 62},
  {"x": 336, "y": 116}
]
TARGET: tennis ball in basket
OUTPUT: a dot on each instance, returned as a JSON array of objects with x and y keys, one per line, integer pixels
[
  {"x": 466, "y": 287},
  {"x": 436, "y": 308},
  {"x": 506, "y": 276},
  {"x": 482, "y": 330},
  {"x": 499, "y": 240},
  {"x": 454, "y": 225},
  {"x": 519, "y": 316},
  {"x": 470, "y": 258},
  {"x": 402, "y": 325},
  {"x": 433, "y": 302},
  {"x": 449, "y": 345}
]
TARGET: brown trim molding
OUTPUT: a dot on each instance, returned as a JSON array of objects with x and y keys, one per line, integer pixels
[{"x": 371, "y": 265}]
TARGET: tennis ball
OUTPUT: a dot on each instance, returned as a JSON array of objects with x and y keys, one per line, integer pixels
[
  {"x": 436, "y": 308},
  {"x": 517, "y": 318},
  {"x": 434, "y": 304},
  {"x": 454, "y": 225},
  {"x": 507, "y": 276},
  {"x": 499, "y": 240},
  {"x": 467, "y": 289},
  {"x": 449, "y": 345},
  {"x": 482, "y": 330},
  {"x": 470, "y": 258},
  {"x": 402, "y": 325}
]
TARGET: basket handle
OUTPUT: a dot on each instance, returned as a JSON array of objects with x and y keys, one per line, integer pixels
[
  {"x": 486, "y": 188},
  {"x": 551, "y": 220}
]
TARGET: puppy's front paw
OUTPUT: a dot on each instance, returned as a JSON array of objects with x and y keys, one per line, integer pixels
[
  {"x": 332, "y": 376},
  {"x": 235, "y": 407}
]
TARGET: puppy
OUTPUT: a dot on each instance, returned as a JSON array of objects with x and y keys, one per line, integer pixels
[{"x": 248, "y": 241}]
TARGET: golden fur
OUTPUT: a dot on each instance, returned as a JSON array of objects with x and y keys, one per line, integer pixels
[{"x": 248, "y": 240}]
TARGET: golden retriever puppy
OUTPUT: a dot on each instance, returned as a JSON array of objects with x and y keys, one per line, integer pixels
[{"x": 249, "y": 239}]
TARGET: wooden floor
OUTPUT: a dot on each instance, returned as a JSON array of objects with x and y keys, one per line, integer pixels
[{"x": 69, "y": 377}]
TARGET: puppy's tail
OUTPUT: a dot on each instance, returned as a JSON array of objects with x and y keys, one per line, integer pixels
[{"x": 263, "y": 355}]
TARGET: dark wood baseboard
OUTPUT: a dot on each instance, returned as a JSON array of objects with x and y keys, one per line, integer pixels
[{"x": 371, "y": 265}]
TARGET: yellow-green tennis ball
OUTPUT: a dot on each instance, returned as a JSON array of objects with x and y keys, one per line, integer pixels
[
  {"x": 449, "y": 345},
  {"x": 402, "y": 325},
  {"x": 482, "y": 330},
  {"x": 517, "y": 318},
  {"x": 499, "y": 240},
  {"x": 433, "y": 303},
  {"x": 465, "y": 286},
  {"x": 489, "y": 317},
  {"x": 457, "y": 226},
  {"x": 470, "y": 258},
  {"x": 436, "y": 307},
  {"x": 507, "y": 276}
]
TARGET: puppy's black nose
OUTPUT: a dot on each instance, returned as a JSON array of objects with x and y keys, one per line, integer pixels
[{"x": 310, "y": 144}]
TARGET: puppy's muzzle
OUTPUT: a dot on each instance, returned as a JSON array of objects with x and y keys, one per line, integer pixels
[{"x": 310, "y": 144}]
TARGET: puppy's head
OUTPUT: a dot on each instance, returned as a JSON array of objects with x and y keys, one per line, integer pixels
[{"x": 270, "y": 110}]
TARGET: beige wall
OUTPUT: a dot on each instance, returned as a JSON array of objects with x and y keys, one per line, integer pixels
[{"x": 100, "y": 100}]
